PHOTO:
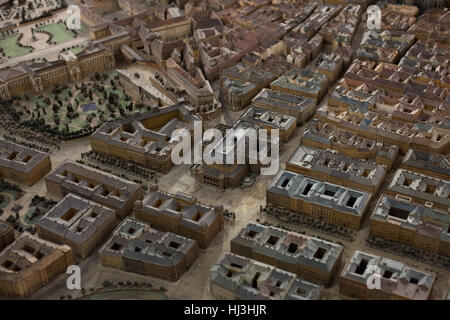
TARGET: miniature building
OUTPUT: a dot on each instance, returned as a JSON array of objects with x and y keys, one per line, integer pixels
[
  {"x": 340, "y": 30},
  {"x": 428, "y": 59},
  {"x": 411, "y": 224},
  {"x": 6, "y": 235},
  {"x": 241, "y": 82},
  {"x": 433, "y": 24},
  {"x": 397, "y": 17},
  {"x": 390, "y": 104},
  {"x": 181, "y": 214},
  {"x": 309, "y": 258},
  {"x": 172, "y": 29},
  {"x": 405, "y": 135},
  {"x": 304, "y": 82},
  {"x": 330, "y": 65},
  {"x": 78, "y": 223},
  {"x": 270, "y": 120},
  {"x": 384, "y": 46},
  {"x": 235, "y": 277},
  {"x": 30, "y": 263},
  {"x": 37, "y": 77},
  {"x": 320, "y": 200},
  {"x": 219, "y": 54},
  {"x": 238, "y": 94},
  {"x": 301, "y": 108},
  {"x": 319, "y": 17},
  {"x": 330, "y": 166},
  {"x": 429, "y": 164},
  {"x": 198, "y": 89},
  {"x": 135, "y": 247},
  {"x": 104, "y": 188},
  {"x": 398, "y": 281},
  {"x": 419, "y": 188},
  {"x": 145, "y": 139},
  {"x": 22, "y": 164},
  {"x": 231, "y": 146}
]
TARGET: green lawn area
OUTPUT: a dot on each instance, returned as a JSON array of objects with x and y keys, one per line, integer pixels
[
  {"x": 5, "y": 201},
  {"x": 77, "y": 49},
  {"x": 11, "y": 48},
  {"x": 27, "y": 217},
  {"x": 84, "y": 28},
  {"x": 59, "y": 32}
]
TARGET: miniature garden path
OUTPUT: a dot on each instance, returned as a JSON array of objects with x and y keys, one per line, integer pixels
[
  {"x": 54, "y": 50},
  {"x": 41, "y": 40}
]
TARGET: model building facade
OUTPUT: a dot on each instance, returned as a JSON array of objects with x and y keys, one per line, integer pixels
[
  {"x": 21, "y": 164},
  {"x": 309, "y": 258},
  {"x": 340, "y": 169},
  {"x": 234, "y": 277},
  {"x": 137, "y": 248},
  {"x": 181, "y": 214},
  {"x": 419, "y": 188},
  {"x": 78, "y": 223},
  {"x": 95, "y": 185},
  {"x": 398, "y": 281},
  {"x": 30, "y": 263},
  {"x": 317, "y": 199},
  {"x": 413, "y": 224},
  {"x": 147, "y": 139}
]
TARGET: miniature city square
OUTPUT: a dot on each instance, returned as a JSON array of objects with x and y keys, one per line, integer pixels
[{"x": 358, "y": 107}]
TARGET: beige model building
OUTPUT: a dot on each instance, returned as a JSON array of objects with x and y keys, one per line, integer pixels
[
  {"x": 223, "y": 175},
  {"x": 318, "y": 199},
  {"x": 137, "y": 248},
  {"x": 190, "y": 78},
  {"x": 145, "y": 139},
  {"x": 309, "y": 258},
  {"x": 30, "y": 263},
  {"x": 38, "y": 77},
  {"x": 237, "y": 93},
  {"x": 270, "y": 120},
  {"x": 6, "y": 235},
  {"x": 421, "y": 189},
  {"x": 412, "y": 224},
  {"x": 172, "y": 29},
  {"x": 241, "y": 82},
  {"x": 302, "y": 82},
  {"x": 433, "y": 24},
  {"x": 181, "y": 214},
  {"x": 430, "y": 164},
  {"x": 397, "y": 280},
  {"x": 355, "y": 145},
  {"x": 336, "y": 168},
  {"x": 384, "y": 45},
  {"x": 79, "y": 223},
  {"x": 391, "y": 104},
  {"x": 340, "y": 30},
  {"x": 235, "y": 277},
  {"x": 104, "y": 188},
  {"x": 301, "y": 108},
  {"x": 21, "y": 164}
]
